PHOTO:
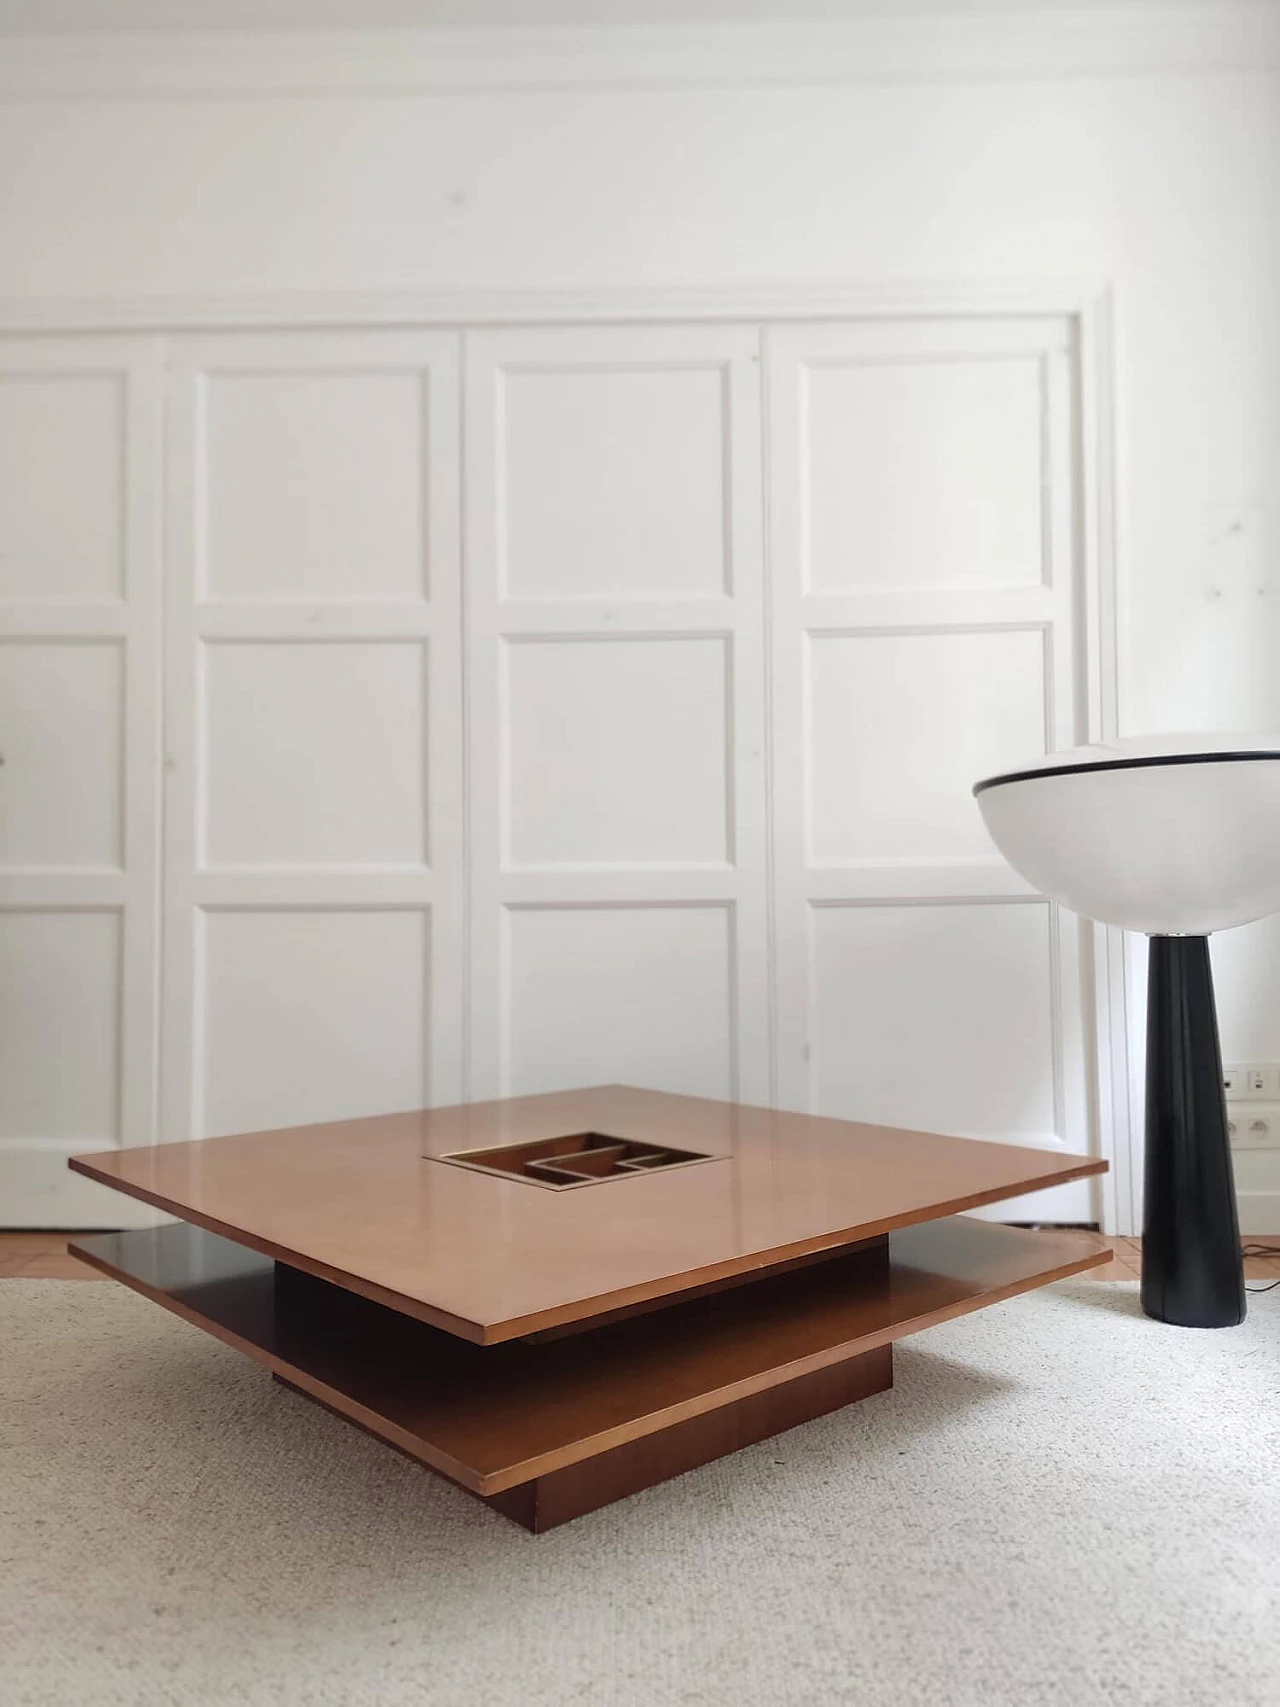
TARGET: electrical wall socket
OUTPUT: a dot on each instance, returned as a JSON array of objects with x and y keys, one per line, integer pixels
[
  {"x": 1250, "y": 1080},
  {"x": 1253, "y": 1125}
]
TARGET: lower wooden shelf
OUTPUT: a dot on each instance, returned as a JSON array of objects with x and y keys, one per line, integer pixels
[{"x": 545, "y": 1430}]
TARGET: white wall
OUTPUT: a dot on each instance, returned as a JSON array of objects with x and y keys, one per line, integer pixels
[{"x": 1164, "y": 183}]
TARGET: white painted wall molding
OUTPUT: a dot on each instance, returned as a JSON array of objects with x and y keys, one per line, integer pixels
[
  {"x": 460, "y": 306},
  {"x": 1117, "y": 1107},
  {"x": 1173, "y": 37}
]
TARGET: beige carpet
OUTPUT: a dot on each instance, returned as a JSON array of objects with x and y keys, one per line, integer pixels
[{"x": 1060, "y": 1503}]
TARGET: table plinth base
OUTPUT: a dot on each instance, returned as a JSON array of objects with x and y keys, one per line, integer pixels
[{"x": 595, "y": 1482}]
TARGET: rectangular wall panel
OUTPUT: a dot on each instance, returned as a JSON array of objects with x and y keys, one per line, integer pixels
[
  {"x": 313, "y": 753},
  {"x": 64, "y": 429},
  {"x": 62, "y": 712},
  {"x": 900, "y": 725},
  {"x": 616, "y": 709},
  {"x": 60, "y": 1041},
  {"x": 315, "y": 483},
  {"x": 616, "y": 752},
  {"x": 311, "y": 1014},
  {"x": 938, "y": 1016},
  {"x": 619, "y": 995},
  {"x": 612, "y": 480},
  {"x": 885, "y": 428}
]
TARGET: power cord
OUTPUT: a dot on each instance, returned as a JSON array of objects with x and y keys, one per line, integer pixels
[{"x": 1261, "y": 1251}]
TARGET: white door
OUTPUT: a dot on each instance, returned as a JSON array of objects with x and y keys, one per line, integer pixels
[
  {"x": 79, "y": 718},
  {"x": 924, "y": 573},
  {"x": 616, "y": 712},
  {"x": 313, "y": 824},
  {"x": 645, "y": 757}
]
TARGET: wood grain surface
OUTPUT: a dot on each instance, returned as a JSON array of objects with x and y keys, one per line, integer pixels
[{"x": 368, "y": 1204}]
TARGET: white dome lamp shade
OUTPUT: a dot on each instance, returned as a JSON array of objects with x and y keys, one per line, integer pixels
[{"x": 1175, "y": 836}]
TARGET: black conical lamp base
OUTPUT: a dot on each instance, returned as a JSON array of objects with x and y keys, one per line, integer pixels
[{"x": 1192, "y": 1270}]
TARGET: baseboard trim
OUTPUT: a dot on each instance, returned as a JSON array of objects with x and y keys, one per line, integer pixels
[
  {"x": 37, "y": 1189},
  {"x": 1259, "y": 1213}
]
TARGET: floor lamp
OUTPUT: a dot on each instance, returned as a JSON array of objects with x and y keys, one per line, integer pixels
[{"x": 1174, "y": 836}]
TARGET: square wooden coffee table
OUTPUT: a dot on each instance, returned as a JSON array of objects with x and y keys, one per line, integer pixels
[{"x": 557, "y": 1300}]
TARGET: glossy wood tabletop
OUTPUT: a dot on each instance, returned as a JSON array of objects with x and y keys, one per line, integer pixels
[{"x": 369, "y": 1203}]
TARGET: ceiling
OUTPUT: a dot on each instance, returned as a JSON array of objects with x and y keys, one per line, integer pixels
[{"x": 122, "y": 16}]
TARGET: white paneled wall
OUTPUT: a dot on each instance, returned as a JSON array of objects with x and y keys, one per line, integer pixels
[
  {"x": 614, "y": 575},
  {"x": 542, "y": 705},
  {"x": 313, "y": 906},
  {"x": 926, "y": 582},
  {"x": 79, "y": 787}
]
